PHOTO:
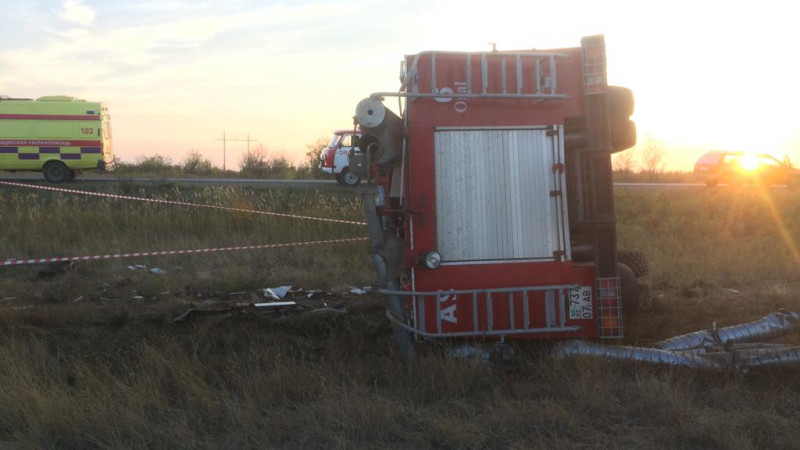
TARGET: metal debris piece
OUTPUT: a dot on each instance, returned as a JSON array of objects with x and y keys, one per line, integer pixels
[
  {"x": 276, "y": 293},
  {"x": 498, "y": 355},
  {"x": 357, "y": 291},
  {"x": 183, "y": 316},
  {"x": 21, "y": 307},
  {"x": 273, "y": 305},
  {"x": 736, "y": 347},
  {"x": 788, "y": 357},
  {"x": 328, "y": 310},
  {"x": 266, "y": 307},
  {"x": 157, "y": 271},
  {"x": 465, "y": 352},
  {"x": 624, "y": 353},
  {"x": 772, "y": 326}
]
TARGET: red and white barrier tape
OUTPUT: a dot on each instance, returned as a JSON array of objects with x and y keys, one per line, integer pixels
[
  {"x": 175, "y": 202},
  {"x": 18, "y": 262}
]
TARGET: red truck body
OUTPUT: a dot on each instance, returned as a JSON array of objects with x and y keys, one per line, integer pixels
[{"x": 476, "y": 187}]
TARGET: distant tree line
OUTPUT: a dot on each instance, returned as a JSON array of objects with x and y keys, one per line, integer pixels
[
  {"x": 651, "y": 161},
  {"x": 255, "y": 163}
]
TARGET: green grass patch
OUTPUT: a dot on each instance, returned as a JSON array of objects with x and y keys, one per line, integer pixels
[{"x": 84, "y": 365}]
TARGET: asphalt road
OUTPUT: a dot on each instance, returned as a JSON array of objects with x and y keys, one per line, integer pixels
[
  {"x": 27, "y": 178},
  {"x": 659, "y": 185}
]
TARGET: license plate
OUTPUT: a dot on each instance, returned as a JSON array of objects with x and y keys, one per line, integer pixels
[{"x": 580, "y": 303}]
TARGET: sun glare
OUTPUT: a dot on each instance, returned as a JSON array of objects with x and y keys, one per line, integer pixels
[{"x": 749, "y": 162}]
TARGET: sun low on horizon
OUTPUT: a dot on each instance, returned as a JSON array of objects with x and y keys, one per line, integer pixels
[{"x": 178, "y": 75}]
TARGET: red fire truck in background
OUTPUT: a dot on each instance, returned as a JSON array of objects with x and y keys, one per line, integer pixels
[{"x": 492, "y": 210}]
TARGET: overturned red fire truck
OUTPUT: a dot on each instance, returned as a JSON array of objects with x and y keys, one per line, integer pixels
[{"x": 492, "y": 211}]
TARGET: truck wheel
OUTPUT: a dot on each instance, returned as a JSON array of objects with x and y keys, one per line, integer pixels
[
  {"x": 620, "y": 108},
  {"x": 349, "y": 179},
  {"x": 630, "y": 289},
  {"x": 56, "y": 172},
  {"x": 623, "y": 135},
  {"x": 72, "y": 175},
  {"x": 635, "y": 260}
]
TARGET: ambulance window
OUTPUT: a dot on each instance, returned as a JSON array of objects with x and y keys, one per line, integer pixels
[
  {"x": 334, "y": 141},
  {"x": 347, "y": 140}
]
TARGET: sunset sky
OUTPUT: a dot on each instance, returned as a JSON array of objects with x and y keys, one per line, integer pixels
[{"x": 177, "y": 74}]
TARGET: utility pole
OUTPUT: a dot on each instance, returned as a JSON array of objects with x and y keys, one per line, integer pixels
[{"x": 225, "y": 140}]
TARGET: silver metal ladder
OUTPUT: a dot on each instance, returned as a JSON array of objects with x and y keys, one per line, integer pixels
[
  {"x": 542, "y": 65},
  {"x": 555, "y": 300}
]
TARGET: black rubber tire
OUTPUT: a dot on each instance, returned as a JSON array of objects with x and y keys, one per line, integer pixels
[
  {"x": 635, "y": 260},
  {"x": 620, "y": 101},
  {"x": 623, "y": 135},
  {"x": 348, "y": 178},
  {"x": 72, "y": 175},
  {"x": 56, "y": 172},
  {"x": 630, "y": 289},
  {"x": 620, "y": 108}
]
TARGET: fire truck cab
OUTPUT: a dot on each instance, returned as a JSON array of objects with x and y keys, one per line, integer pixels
[{"x": 492, "y": 212}]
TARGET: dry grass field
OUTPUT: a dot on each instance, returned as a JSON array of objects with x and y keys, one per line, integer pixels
[{"x": 90, "y": 356}]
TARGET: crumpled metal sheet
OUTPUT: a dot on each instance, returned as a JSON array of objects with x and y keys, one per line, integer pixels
[
  {"x": 788, "y": 358},
  {"x": 625, "y": 353},
  {"x": 770, "y": 327},
  {"x": 730, "y": 348}
]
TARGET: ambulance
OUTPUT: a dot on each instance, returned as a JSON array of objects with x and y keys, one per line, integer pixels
[
  {"x": 334, "y": 157},
  {"x": 59, "y": 136}
]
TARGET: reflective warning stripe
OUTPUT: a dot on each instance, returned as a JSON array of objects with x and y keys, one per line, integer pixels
[{"x": 19, "y": 262}]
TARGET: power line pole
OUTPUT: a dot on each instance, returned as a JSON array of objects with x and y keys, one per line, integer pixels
[{"x": 225, "y": 140}]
